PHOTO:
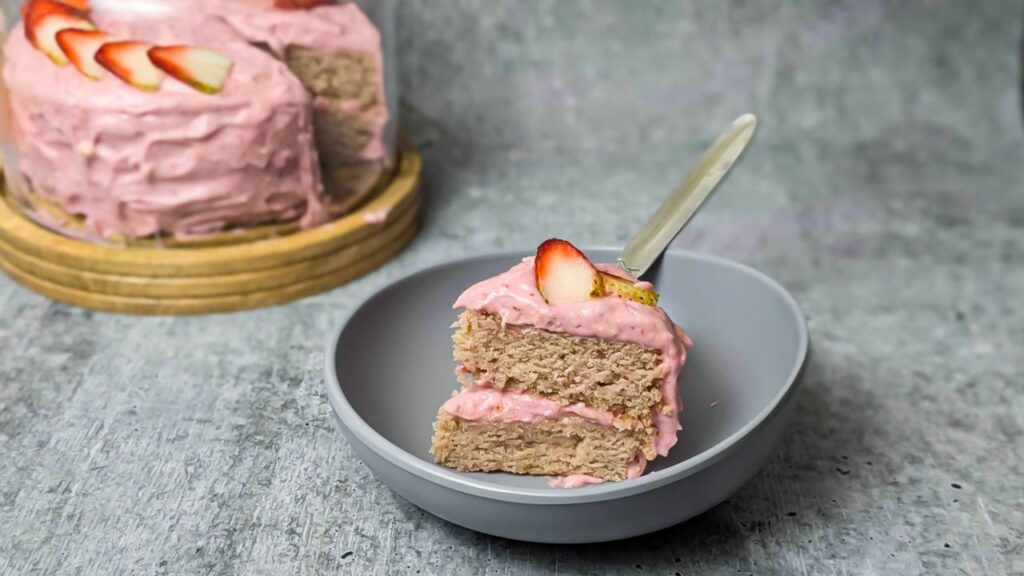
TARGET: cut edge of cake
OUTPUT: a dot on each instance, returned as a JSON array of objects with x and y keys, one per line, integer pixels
[{"x": 549, "y": 448}]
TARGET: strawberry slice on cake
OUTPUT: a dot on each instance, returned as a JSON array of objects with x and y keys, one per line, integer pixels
[
  {"x": 564, "y": 275},
  {"x": 81, "y": 46},
  {"x": 129, "y": 61},
  {"x": 44, "y": 19},
  {"x": 201, "y": 68}
]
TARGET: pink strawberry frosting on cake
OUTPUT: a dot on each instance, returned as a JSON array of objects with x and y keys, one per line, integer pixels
[
  {"x": 514, "y": 297},
  {"x": 178, "y": 161},
  {"x": 566, "y": 369}
]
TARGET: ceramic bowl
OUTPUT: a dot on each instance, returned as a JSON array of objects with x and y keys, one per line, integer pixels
[{"x": 389, "y": 368}]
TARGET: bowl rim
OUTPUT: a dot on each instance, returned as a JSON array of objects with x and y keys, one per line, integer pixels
[{"x": 447, "y": 478}]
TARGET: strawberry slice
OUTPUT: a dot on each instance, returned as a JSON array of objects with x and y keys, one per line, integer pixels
[
  {"x": 564, "y": 275},
  {"x": 301, "y": 4},
  {"x": 627, "y": 288},
  {"x": 200, "y": 68},
  {"x": 129, "y": 61},
  {"x": 44, "y": 19},
  {"x": 80, "y": 46},
  {"x": 82, "y": 6},
  {"x": 34, "y": 10}
]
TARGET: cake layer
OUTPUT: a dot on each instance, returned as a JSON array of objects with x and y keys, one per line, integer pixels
[
  {"x": 618, "y": 377},
  {"x": 563, "y": 447}
]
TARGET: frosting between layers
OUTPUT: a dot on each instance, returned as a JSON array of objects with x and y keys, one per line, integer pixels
[
  {"x": 136, "y": 163},
  {"x": 513, "y": 296},
  {"x": 482, "y": 403},
  {"x": 486, "y": 404}
]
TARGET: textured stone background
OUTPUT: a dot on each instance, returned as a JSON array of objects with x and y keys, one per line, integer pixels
[{"x": 885, "y": 190}]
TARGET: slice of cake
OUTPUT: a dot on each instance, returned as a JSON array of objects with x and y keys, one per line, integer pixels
[{"x": 567, "y": 368}]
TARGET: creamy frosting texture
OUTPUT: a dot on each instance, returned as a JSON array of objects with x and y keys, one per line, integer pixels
[
  {"x": 513, "y": 296},
  {"x": 177, "y": 161},
  {"x": 335, "y": 28},
  {"x": 486, "y": 404}
]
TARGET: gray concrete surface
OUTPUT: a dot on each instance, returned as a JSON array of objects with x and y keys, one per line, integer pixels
[{"x": 886, "y": 190}]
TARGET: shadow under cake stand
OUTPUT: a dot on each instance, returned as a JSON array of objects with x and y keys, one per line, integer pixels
[{"x": 245, "y": 273}]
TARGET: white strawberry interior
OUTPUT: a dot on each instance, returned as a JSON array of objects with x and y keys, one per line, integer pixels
[
  {"x": 206, "y": 67},
  {"x": 85, "y": 48},
  {"x": 568, "y": 281},
  {"x": 142, "y": 72},
  {"x": 46, "y": 34}
]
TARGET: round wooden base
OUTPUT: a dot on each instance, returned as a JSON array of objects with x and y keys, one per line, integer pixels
[{"x": 217, "y": 278}]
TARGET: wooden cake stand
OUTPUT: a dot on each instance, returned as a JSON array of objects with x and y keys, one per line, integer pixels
[{"x": 212, "y": 277}]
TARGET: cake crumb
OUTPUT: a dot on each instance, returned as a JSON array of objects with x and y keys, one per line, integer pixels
[
  {"x": 378, "y": 216},
  {"x": 86, "y": 149}
]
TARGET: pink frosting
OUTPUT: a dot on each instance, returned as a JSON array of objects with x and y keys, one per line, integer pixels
[
  {"x": 574, "y": 481},
  {"x": 176, "y": 160},
  {"x": 634, "y": 470},
  {"x": 513, "y": 296},
  {"x": 486, "y": 404}
]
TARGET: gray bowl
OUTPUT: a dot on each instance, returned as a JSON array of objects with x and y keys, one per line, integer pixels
[{"x": 389, "y": 368}]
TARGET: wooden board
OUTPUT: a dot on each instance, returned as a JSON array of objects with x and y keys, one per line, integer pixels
[{"x": 213, "y": 278}]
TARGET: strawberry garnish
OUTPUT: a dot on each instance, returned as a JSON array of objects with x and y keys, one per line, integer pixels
[
  {"x": 130, "y": 62},
  {"x": 628, "y": 289},
  {"x": 80, "y": 46},
  {"x": 83, "y": 5},
  {"x": 200, "y": 68},
  {"x": 80, "y": 5},
  {"x": 44, "y": 19},
  {"x": 301, "y": 4},
  {"x": 35, "y": 9},
  {"x": 564, "y": 275}
]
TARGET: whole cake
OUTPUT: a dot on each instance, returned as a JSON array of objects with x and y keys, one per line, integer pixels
[
  {"x": 190, "y": 117},
  {"x": 568, "y": 369}
]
